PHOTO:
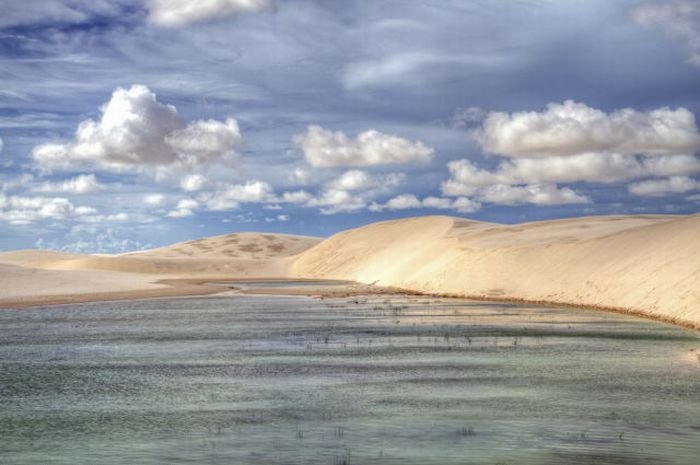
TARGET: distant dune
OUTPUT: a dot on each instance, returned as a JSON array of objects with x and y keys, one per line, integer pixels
[
  {"x": 40, "y": 276},
  {"x": 648, "y": 265},
  {"x": 247, "y": 246}
]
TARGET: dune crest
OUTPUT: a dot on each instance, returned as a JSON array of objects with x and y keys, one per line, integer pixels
[
  {"x": 41, "y": 276},
  {"x": 649, "y": 265},
  {"x": 644, "y": 264}
]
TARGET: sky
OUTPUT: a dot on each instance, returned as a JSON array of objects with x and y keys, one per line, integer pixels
[{"x": 130, "y": 124}]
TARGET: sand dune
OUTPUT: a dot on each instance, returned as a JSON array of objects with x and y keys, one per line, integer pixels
[
  {"x": 648, "y": 265},
  {"x": 246, "y": 246},
  {"x": 36, "y": 275}
]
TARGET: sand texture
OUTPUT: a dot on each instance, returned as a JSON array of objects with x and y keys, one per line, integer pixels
[
  {"x": 649, "y": 265},
  {"x": 41, "y": 277}
]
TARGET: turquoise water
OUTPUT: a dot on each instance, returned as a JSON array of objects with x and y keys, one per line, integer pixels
[{"x": 290, "y": 380}]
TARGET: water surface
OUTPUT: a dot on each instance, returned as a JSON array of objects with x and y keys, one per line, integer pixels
[{"x": 291, "y": 380}]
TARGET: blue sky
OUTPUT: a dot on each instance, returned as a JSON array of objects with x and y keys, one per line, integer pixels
[{"x": 136, "y": 123}]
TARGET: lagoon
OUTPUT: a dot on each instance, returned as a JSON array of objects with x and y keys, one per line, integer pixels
[{"x": 369, "y": 380}]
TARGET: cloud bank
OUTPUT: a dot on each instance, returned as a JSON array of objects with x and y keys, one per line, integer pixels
[
  {"x": 324, "y": 148},
  {"x": 572, "y": 128},
  {"x": 571, "y": 142},
  {"x": 20, "y": 210}
]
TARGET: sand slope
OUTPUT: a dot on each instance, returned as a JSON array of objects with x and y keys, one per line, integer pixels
[
  {"x": 44, "y": 276},
  {"x": 643, "y": 264},
  {"x": 246, "y": 246}
]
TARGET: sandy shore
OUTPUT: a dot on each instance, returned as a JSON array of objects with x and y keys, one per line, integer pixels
[{"x": 642, "y": 265}]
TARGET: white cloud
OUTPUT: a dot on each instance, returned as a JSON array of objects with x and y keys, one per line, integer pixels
[
  {"x": 182, "y": 12},
  {"x": 193, "y": 182},
  {"x": 83, "y": 184},
  {"x": 25, "y": 210},
  {"x": 466, "y": 179},
  {"x": 571, "y": 128},
  {"x": 352, "y": 180},
  {"x": 324, "y": 148},
  {"x": 410, "y": 201},
  {"x": 358, "y": 180},
  {"x": 660, "y": 187},
  {"x": 680, "y": 18},
  {"x": 438, "y": 203},
  {"x": 278, "y": 218},
  {"x": 394, "y": 69},
  {"x": 466, "y": 205},
  {"x": 229, "y": 196},
  {"x": 535, "y": 194},
  {"x": 154, "y": 199},
  {"x": 337, "y": 201},
  {"x": 183, "y": 209},
  {"x": 296, "y": 197},
  {"x": 403, "y": 202},
  {"x": 2, "y": 144},
  {"x": 93, "y": 239},
  {"x": 101, "y": 219},
  {"x": 300, "y": 177},
  {"x": 137, "y": 131}
]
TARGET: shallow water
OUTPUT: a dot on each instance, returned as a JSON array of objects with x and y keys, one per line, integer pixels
[{"x": 289, "y": 380}]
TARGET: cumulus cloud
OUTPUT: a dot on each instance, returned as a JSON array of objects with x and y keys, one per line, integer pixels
[
  {"x": 229, "y": 196},
  {"x": 515, "y": 183},
  {"x": 534, "y": 194},
  {"x": 334, "y": 201},
  {"x": 183, "y": 12},
  {"x": 135, "y": 130},
  {"x": 300, "y": 196},
  {"x": 183, "y": 209},
  {"x": 679, "y": 18},
  {"x": 83, "y": 184},
  {"x": 660, "y": 187},
  {"x": 154, "y": 199},
  {"x": 410, "y": 201},
  {"x": 569, "y": 143},
  {"x": 193, "y": 182},
  {"x": 300, "y": 177},
  {"x": 20, "y": 210},
  {"x": 358, "y": 180},
  {"x": 324, "y": 148},
  {"x": 572, "y": 128},
  {"x": 466, "y": 179}
]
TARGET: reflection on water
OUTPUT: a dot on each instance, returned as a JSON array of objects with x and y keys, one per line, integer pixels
[{"x": 283, "y": 380}]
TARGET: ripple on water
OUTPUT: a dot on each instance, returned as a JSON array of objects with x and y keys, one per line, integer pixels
[{"x": 251, "y": 380}]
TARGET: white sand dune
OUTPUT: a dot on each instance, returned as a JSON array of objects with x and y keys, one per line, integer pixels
[
  {"x": 648, "y": 265},
  {"x": 30, "y": 276}
]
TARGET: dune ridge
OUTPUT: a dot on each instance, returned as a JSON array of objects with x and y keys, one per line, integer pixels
[
  {"x": 37, "y": 277},
  {"x": 647, "y": 265},
  {"x": 643, "y": 264}
]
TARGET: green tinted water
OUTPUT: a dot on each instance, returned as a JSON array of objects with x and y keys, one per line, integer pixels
[{"x": 283, "y": 380}]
